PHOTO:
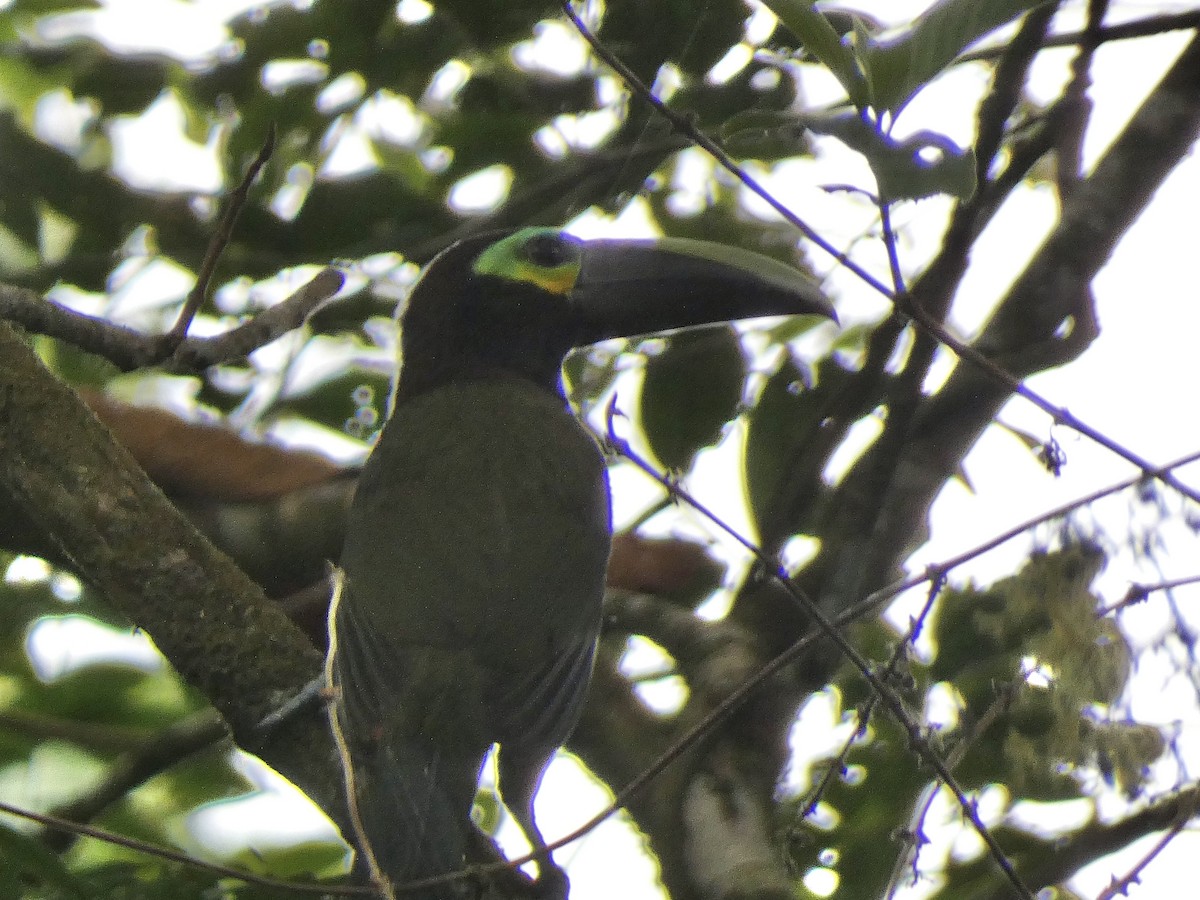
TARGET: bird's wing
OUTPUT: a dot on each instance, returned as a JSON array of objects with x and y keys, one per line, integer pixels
[
  {"x": 413, "y": 795},
  {"x": 539, "y": 708},
  {"x": 482, "y": 517}
]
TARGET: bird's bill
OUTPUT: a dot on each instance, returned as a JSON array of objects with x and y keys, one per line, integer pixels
[{"x": 627, "y": 288}]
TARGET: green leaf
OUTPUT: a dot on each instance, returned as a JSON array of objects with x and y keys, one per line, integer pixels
[
  {"x": 26, "y": 860},
  {"x": 821, "y": 39},
  {"x": 782, "y": 424},
  {"x": 23, "y": 84},
  {"x": 900, "y": 67},
  {"x": 922, "y": 165},
  {"x": 690, "y": 392}
]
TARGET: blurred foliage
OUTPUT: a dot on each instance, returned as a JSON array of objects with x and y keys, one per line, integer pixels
[
  {"x": 385, "y": 112},
  {"x": 701, "y": 370},
  {"x": 63, "y": 729},
  {"x": 1031, "y": 671}
]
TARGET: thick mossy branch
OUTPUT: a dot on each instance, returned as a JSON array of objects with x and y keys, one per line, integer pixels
[{"x": 63, "y": 469}]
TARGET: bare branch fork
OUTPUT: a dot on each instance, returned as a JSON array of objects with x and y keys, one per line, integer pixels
[
  {"x": 129, "y": 349},
  {"x": 217, "y": 244},
  {"x": 78, "y": 486}
]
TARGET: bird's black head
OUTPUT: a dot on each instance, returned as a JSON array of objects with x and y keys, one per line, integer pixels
[
  {"x": 491, "y": 304},
  {"x": 514, "y": 303}
]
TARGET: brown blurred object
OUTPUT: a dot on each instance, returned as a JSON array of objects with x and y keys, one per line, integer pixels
[
  {"x": 280, "y": 513},
  {"x": 194, "y": 460},
  {"x": 666, "y": 566}
]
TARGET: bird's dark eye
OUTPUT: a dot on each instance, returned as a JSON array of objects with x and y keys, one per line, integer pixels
[{"x": 551, "y": 250}]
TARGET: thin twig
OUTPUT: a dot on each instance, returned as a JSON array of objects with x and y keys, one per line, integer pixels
[
  {"x": 1120, "y": 886},
  {"x": 864, "y": 718},
  {"x": 889, "y": 242},
  {"x": 121, "y": 840},
  {"x": 1139, "y": 592},
  {"x": 943, "y": 568},
  {"x": 124, "y": 347},
  {"x": 195, "y": 354},
  {"x": 128, "y": 349},
  {"x": 1137, "y": 28},
  {"x": 1060, "y": 414},
  {"x": 217, "y": 244},
  {"x": 197, "y": 732}
]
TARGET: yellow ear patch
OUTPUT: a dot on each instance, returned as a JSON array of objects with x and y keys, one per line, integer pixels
[
  {"x": 558, "y": 280},
  {"x": 543, "y": 257}
]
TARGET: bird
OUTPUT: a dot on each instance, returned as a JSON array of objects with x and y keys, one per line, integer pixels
[{"x": 473, "y": 569}]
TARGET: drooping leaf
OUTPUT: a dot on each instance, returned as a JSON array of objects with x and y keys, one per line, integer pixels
[
  {"x": 899, "y": 67},
  {"x": 690, "y": 393},
  {"x": 921, "y": 165},
  {"x": 821, "y": 39},
  {"x": 782, "y": 424}
]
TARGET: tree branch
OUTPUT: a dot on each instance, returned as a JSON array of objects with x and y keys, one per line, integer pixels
[
  {"x": 1073, "y": 852},
  {"x": 128, "y": 349},
  {"x": 1023, "y": 334},
  {"x": 67, "y": 474},
  {"x": 196, "y": 732}
]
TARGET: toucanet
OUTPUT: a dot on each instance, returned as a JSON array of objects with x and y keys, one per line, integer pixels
[{"x": 474, "y": 562}]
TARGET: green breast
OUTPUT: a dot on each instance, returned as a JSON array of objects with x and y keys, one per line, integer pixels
[{"x": 482, "y": 517}]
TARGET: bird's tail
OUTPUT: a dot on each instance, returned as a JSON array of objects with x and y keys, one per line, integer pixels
[
  {"x": 410, "y": 803},
  {"x": 410, "y": 825}
]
